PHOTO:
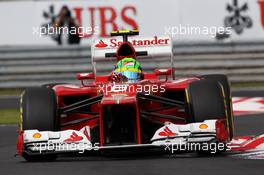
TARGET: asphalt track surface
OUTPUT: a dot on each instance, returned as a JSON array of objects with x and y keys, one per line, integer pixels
[{"x": 154, "y": 165}]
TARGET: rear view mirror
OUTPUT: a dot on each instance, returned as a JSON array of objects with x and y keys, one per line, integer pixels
[
  {"x": 85, "y": 76},
  {"x": 164, "y": 72},
  {"x": 160, "y": 72}
]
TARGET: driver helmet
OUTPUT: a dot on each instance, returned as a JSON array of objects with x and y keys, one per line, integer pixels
[{"x": 130, "y": 69}]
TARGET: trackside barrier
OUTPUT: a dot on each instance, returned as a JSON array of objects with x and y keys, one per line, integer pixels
[{"x": 29, "y": 66}]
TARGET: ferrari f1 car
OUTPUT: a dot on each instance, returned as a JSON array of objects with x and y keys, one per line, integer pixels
[{"x": 155, "y": 112}]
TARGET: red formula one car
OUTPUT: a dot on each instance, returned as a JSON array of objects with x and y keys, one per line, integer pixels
[{"x": 127, "y": 109}]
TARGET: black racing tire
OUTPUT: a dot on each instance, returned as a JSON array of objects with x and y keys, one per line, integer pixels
[
  {"x": 228, "y": 98},
  {"x": 39, "y": 111},
  {"x": 205, "y": 101}
]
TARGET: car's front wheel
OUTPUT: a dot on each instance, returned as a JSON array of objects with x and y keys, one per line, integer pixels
[
  {"x": 39, "y": 111},
  {"x": 223, "y": 80},
  {"x": 205, "y": 100}
]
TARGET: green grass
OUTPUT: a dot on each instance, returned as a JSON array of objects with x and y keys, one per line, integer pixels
[
  {"x": 248, "y": 85},
  {"x": 9, "y": 116},
  {"x": 14, "y": 91}
]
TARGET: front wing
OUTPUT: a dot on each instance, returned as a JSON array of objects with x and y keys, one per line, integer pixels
[
  {"x": 167, "y": 138},
  {"x": 170, "y": 138}
]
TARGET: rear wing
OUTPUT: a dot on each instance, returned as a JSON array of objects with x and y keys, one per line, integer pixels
[{"x": 152, "y": 52}]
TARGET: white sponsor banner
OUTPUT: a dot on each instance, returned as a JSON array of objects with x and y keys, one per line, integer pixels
[{"x": 184, "y": 20}]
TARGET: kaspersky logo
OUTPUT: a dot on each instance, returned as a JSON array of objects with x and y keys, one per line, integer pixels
[
  {"x": 73, "y": 138},
  {"x": 113, "y": 42},
  {"x": 167, "y": 132}
]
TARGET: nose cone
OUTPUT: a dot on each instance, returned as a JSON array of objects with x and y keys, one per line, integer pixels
[
  {"x": 118, "y": 98},
  {"x": 119, "y": 93}
]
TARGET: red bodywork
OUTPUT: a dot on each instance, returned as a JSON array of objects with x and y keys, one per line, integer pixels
[
  {"x": 128, "y": 116},
  {"x": 68, "y": 94}
]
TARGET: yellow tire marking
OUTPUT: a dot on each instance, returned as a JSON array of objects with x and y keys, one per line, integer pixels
[
  {"x": 232, "y": 116},
  {"x": 227, "y": 121},
  {"x": 187, "y": 95},
  {"x": 21, "y": 112}
]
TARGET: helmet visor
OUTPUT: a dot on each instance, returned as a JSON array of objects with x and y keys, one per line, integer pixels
[{"x": 131, "y": 76}]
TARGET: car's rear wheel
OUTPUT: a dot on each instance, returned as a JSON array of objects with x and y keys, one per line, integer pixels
[
  {"x": 39, "y": 111},
  {"x": 228, "y": 98}
]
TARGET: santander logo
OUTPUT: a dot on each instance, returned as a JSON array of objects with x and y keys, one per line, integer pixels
[
  {"x": 113, "y": 42},
  {"x": 101, "y": 44}
]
